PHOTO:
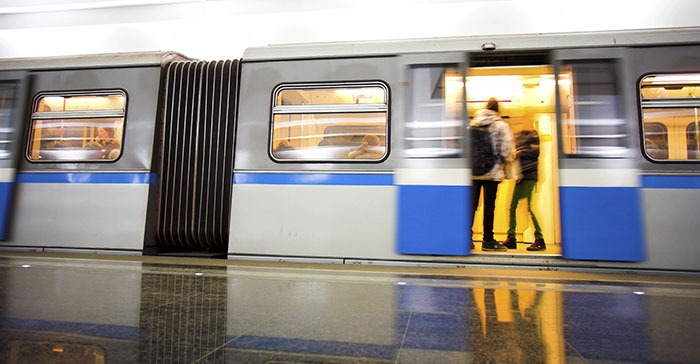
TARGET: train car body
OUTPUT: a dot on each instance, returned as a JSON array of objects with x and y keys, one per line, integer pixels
[
  {"x": 68, "y": 196},
  {"x": 359, "y": 152},
  {"x": 603, "y": 197}
]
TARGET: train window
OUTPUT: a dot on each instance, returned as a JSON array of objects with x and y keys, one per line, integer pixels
[
  {"x": 656, "y": 140},
  {"x": 436, "y": 123},
  {"x": 77, "y": 127},
  {"x": 670, "y": 100},
  {"x": 330, "y": 122},
  {"x": 7, "y": 104},
  {"x": 592, "y": 110}
]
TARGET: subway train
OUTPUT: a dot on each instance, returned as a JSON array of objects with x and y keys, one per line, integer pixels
[{"x": 357, "y": 152}]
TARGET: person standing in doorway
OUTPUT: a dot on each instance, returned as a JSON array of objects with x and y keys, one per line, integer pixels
[
  {"x": 528, "y": 151},
  {"x": 492, "y": 147}
]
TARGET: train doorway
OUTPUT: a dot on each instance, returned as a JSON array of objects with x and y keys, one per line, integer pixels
[{"x": 527, "y": 102}]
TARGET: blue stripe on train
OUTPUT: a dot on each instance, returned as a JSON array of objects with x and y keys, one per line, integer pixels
[
  {"x": 671, "y": 182},
  {"x": 113, "y": 178},
  {"x": 602, "y": 223},
  {"x": 6, "y": 189},
  {"x": 355, "y": 179},
  {"x": 433, "y": 220}
]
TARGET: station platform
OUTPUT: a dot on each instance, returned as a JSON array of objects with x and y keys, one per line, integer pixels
[{"x": 72, "y": 308}]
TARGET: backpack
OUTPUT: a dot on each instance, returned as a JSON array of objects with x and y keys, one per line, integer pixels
[{"x": 483, "y": 156}]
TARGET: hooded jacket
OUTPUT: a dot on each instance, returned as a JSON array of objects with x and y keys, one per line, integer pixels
[{"x": 502, "y": 139}]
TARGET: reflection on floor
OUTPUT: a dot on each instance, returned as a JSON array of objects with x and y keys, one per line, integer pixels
[{"x": 96, "y": 309}]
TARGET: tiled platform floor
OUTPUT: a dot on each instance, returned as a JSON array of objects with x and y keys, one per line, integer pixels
[{"x": 97, "y": 309}]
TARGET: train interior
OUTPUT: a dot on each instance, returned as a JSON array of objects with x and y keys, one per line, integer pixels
[
  {"x": 527, "y": 102},
  {"x": 315, "y": 135},
  {"x": 670, "y": 115},
  {"x": 58, "y": 134}
]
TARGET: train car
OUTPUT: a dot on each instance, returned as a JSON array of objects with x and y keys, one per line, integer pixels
[
  {"x": 615, "y": 113},
  {"x": 82, "y": 135},
  {"x": 359, "y": 152}
]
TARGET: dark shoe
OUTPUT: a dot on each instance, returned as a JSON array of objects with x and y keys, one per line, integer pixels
[
  {"x": 511, "y": 243},
  {"x": 538, "y": 245},
  {"x": 493, "y": 245}
]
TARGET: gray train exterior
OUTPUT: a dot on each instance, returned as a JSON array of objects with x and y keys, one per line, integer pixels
[
  {"x": 383, "y": 209},
  {"x": 619, "y": 210},
  {"x": 66, "y": 206}
]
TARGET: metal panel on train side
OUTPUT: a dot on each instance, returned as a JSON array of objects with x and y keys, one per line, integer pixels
[
  {"x": 671, "y": 188},
  {"x": 92, "y": 205},
  {"x": 12, "y": 105},
  {"x": 600, "y": 197},
  {"x": 329, "y": 209},
  {"x": 141, "y": 85}
]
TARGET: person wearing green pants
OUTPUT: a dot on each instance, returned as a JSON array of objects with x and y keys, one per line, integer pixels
[{"x": 527, "y": 145}]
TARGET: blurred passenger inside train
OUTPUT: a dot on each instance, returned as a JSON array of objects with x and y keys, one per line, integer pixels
[
  {"x": 53, "y": 143},
  {"x": 104, "y": 145},
  {"x": 492, "y": 147},
  {"x": 369, "y": 148},
  {"x": 55, "y": 139},
  {"x": 527, "y": 150},
  {"x": 284, "y": 145},
  {"x": 284, "y": 149}
]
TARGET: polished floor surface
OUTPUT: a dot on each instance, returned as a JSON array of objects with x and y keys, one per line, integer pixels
[{"x": 102, "y": 309}]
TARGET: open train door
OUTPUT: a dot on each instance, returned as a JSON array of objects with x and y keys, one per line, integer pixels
[
  {"x": 432, "y": 179},
  {"x": 599, "y": 178},
  {"x": 12, "y": 101}
]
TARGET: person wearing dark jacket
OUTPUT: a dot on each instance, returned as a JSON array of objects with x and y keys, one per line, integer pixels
[
  {"x": 502, "y": 140},
  {"x": 527, "y": 149},
  {"x": 104, "y": 145}
]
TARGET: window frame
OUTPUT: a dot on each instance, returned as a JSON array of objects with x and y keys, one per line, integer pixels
[
  {"x": 341, "y": 108},
  {"x": 650, "y": 125},
  {"x": 78, "y": 117},
  {"x": 687, "y": 145},
  {"x": 669, "y": 103}
]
